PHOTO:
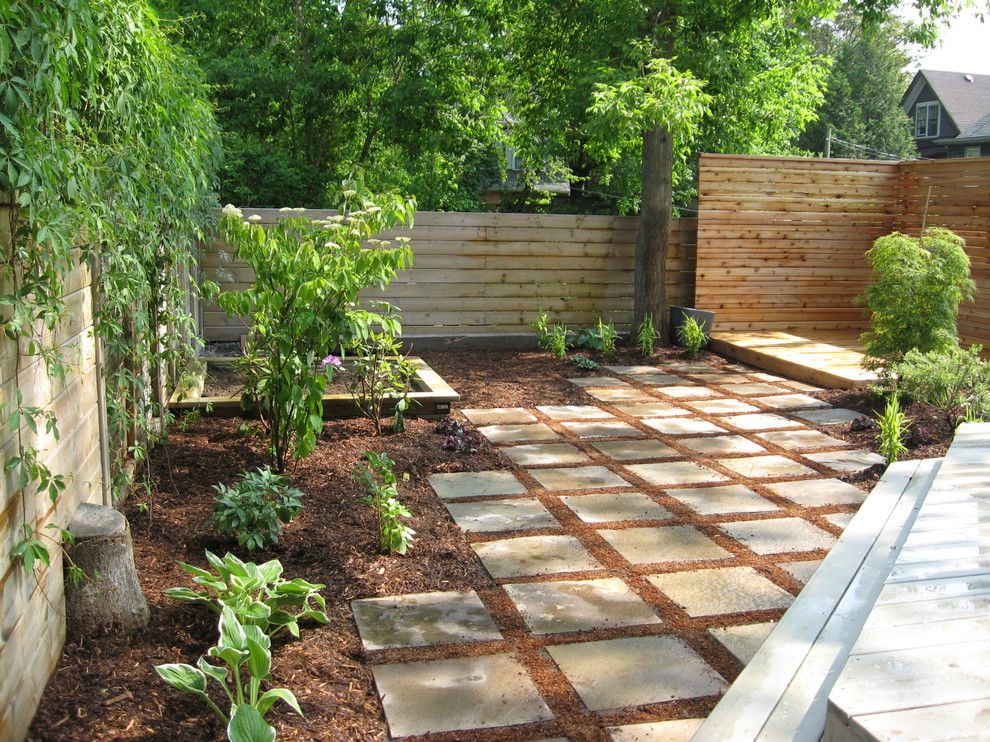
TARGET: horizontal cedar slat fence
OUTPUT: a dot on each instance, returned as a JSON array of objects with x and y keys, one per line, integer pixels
[
  {"x": 782, "y": 241},
  {"x": 480, "y": 273}
]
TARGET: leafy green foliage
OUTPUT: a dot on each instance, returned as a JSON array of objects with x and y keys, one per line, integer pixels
[
  {"x": 894, "y": 426},
  {"x": 257, "y": 594},
  {"x": 379, "y": 372},
  {"x": 955, "y": 380},
  {"x": 255, "y": 510},
  {"x": 541, "y": 326},
  {"x": 245, "y": 654},
  {"x": 378, "y": 477},
  {"x": 692, "y": 336},
  {"x": 304, "y": 302},
  {"x": 601, "y": 337},
  {"x": 584, "y": 363},
  {"x": 646, "y": 336},
  {"x": 557, "y": 341},
  {"x": 914, "y": 294}
]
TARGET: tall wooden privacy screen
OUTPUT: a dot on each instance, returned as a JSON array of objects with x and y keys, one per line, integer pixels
[
  {"x": 477, "y": 274},
  {"x": 782, "y": 241}
]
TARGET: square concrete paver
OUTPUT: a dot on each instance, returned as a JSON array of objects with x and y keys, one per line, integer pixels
[
  {"x": 792, "y": 402},
  {"x": 632, "y": 394},
  {"x": 491, "y": 516},
  {"x": 693, "y": 368},
  {"x": 762, "y": 421},
  {"x": 423, "y": 619},
  {"x": 518, "y": 433},
  {"x": 636, "y": 449},
  {"x": 712, "y": 592},
  {"x": 722, "y": 445},
  {"x": 767, "y": 467},
  {"x": 575, "y": 412},
  {"x": 801, "y": 386},
  {"x": 580, "y": 605},
  {"x": 658, "y": 379},
  {"x": 540, "y": 454},
  {"x": 722, "y": 378},
  {"x": 578, "y": 478},
  {"x": 744, "y": 641},
  {"x": 534, "y": 555},
  {"x": 672, "y": 730},
  {"x": 847, "y": 461},
  {"x": 475, "y": 484},
  {"x": 755, "y": 388},
  {"x": 616, "y": 506},
  {"x": 683, "y": 426},
  {"x": 687, "y": 392},
  {"x": 801, "y": 440},
  {"x": 603, "y": 429},
  {"x": 722, "y": 406},
  {"x": 829, "y": 416},
  {"x": 455, "y": 694},
  {"x": 675, "y": 472},
  {"x": 815, "y": 493},
  {"x": 779, "y": 535},
  {"x": 731, "y": 498},
  {"x": 839, "y": 520},
  {"x": 801, "y": 571},
  {"x": 499, "y": 416},
  {"x": 634, "y": 370},
  {"x": 652, "y": 409},
  {"x": 661, "y": 544},
  {"x": 617, "y": 673},
  {"x": 591, "y": 382}
]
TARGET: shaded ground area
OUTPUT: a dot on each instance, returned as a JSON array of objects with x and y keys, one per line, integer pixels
[{"x": 107, "y": 688}]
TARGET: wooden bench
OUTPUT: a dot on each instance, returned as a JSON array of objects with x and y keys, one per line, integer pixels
[
  {"x": 920, "y": 669},
  {"x": 782, "y": 692}
]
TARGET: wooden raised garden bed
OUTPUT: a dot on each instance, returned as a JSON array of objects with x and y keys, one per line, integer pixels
[{"x": 430, "y": 396}]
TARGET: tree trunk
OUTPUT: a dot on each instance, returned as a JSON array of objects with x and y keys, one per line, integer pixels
[{"x": 653, "y": 236}]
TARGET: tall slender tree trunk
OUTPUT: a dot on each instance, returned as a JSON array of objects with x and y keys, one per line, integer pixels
[{"x": 653, "y": 236}]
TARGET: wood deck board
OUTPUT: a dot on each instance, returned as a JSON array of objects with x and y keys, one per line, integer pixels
[{"x": 829, "y": 359}]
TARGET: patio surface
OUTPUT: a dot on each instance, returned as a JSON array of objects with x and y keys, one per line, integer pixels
[{"x": 642, "y": 549}]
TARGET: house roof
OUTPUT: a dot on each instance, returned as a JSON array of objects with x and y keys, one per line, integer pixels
[{"x": 964, "y": 96}]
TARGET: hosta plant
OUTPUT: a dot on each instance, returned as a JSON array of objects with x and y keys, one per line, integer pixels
[
  {"x": 601, "y": 337},
  {"x": 378, "y": 477},
  {"x": 255, "y": 510},
  {"x": 692, "y": 336},
  {"x": 245, "y": 656},
  {"x": 256, "y": 593}
]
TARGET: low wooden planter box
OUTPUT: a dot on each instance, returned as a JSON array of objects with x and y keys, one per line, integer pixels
[{"x": 431, "y": 396}]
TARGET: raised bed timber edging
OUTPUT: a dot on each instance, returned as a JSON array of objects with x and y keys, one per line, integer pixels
[{"x": 432, "y": 396}]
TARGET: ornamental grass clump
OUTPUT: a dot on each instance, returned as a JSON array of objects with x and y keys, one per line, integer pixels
[
  {"x": 914, "y": 295},
  {"x": 893, "y": 425},
  {"x": 304, "y": 303},
  {"x": 692, "y": 336},
  {"x": 646, "y": 336}
]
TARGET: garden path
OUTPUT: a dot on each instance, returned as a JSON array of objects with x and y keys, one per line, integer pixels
[{"x": 641, "y": 550}]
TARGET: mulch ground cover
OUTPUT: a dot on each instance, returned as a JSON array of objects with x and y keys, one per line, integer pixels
[{"x": 106, "y": 687}]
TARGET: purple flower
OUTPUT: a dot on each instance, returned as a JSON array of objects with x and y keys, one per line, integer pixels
[{"x": 331, "y": 360}]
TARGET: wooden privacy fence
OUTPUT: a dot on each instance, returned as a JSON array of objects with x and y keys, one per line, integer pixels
[
  {"x": 782, "y": 241},
  {"x": 478, "y": 273}
]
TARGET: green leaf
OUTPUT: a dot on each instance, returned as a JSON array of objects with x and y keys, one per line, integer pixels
[
  {"x": 231, "y": 631},
  {"x": 248, "y": 725},
  {"x": 278, "y": 694},
  {"x": 183, "y": 677}
]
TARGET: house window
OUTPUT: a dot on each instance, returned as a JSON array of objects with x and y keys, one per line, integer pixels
[
  {"x": 971, "y": 152},
  {"x": 926, "y": 116}
]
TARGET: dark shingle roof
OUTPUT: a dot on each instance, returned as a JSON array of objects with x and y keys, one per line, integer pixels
[{"x": 966, "y": 99}]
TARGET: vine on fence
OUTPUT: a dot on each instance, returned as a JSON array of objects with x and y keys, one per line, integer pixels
[{"x": 108, "y": 149}]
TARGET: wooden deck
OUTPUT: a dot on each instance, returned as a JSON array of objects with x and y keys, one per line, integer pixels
[{"x": 828, "y": 359}]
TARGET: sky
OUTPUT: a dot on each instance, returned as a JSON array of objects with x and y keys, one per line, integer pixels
[{"x": 962, "y": 47}]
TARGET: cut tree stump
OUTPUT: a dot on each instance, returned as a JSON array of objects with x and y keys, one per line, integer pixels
[{"x": 109, "y": 599}]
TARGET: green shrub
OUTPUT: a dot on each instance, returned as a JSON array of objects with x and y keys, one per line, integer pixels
[
  {"x": 893, "y": 430},
  {"x": 247, "y": 653},
  {"x": 914, "y": 295},
  {"x": 303, "y": 303},
  {"x": 255, "y": 510},
  {"x": 379, "y": 371},
  {"x": 955, "y": 380},
  {"x": 378, "y": 476},
  {"x": 557, "y": 341},
  {"x": 601, "y": 337},
  {"x": 692, "y": 336},
  {"x": 646, "y": 336},
  {"x": 256, "y": 593},
  {"x": 584, "y": 363},
  {"x": 541, "y": 326}
]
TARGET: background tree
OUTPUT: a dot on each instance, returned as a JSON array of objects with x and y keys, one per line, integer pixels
[{"x": 862, "y": 101}]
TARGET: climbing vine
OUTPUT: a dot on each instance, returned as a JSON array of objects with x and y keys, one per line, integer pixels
[{"x": 108, "y": 150}]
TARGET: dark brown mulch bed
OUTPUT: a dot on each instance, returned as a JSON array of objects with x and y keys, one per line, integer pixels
[{"x": 106, "y": 688}]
